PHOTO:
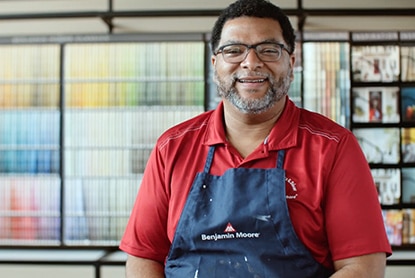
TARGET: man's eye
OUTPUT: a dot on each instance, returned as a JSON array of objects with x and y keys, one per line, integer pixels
[
  {"x": 232, "y": 51},
  {"x": 270, "y": 51}
]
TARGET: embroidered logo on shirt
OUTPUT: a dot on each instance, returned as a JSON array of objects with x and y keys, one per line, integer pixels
[
  {"x": 291, "y": 190},
  {"x": 229, "y": 233}
]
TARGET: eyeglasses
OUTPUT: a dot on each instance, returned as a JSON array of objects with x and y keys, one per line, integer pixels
[{"x": 267, "y": 52}]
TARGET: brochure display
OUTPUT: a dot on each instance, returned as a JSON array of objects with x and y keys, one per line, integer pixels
[{"x": 383, "y": 120}]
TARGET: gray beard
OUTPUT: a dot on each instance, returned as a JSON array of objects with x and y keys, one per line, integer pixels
[{"x": 276, "y": 91}]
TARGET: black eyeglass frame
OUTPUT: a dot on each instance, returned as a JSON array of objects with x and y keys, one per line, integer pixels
[{"x": 251, "y": 46}]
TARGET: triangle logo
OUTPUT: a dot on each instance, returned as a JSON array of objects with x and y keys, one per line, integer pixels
[{"x": 229, "y": 228}]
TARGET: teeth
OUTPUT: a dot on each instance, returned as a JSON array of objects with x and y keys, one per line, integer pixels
[{"x": 251, "y": 81}]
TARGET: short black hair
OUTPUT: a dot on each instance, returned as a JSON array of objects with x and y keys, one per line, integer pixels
[{"x": 253, "y": 8}]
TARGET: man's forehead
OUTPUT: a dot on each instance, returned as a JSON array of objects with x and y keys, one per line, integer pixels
[{"x": 251, "y": 30}]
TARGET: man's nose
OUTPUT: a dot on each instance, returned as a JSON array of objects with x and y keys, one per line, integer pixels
[{"x": 252, "y": 61}]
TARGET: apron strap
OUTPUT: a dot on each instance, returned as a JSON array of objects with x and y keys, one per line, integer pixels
[
  {"x": 280, "y": 159},
  {"x": 209, "y": 159}
]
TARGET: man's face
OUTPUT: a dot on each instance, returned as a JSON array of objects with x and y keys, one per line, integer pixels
[{"x": 253, "y": 86}]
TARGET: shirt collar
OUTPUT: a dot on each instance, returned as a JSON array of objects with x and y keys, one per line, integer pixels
[
  {"x": 282, "y": 136},
  {"x": 284, "y": 133},
  {"x": 216, "y": 129}
]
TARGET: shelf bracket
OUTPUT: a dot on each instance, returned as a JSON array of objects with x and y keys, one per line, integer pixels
[{"x": 108, "y": 20}]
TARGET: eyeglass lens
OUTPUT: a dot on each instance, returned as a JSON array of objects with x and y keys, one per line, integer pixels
[{"x": 236, "y": 53}]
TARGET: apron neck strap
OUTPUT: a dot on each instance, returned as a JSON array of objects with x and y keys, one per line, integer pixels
[
  {"x": 280, "y": 159},
  {"x": 209, "y": 159}
]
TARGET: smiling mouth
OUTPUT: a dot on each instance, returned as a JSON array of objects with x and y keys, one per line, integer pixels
[{"x": 252, "y": 80}]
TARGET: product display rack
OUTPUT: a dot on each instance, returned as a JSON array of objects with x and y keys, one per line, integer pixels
[
  {"x": 326, "y": 75},
  {"x": 382, "y": 97},
  {"x": 386, "y": 137},
  {"x": 30, "y": 166},
  {"x": 79, "y": 118},
  {"x": 75, "y": 123}
]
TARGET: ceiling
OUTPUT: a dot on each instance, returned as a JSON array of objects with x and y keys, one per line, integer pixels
[{"x": 50, "y": 17}]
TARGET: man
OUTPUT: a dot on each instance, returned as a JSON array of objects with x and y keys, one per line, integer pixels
[{"x": 258, "y": 187}]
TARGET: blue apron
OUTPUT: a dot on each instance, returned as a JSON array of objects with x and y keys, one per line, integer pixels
[{"x": 238, "y": 225}]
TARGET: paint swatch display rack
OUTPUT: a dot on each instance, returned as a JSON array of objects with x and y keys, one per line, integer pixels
[{"x": 77, "y": 124}]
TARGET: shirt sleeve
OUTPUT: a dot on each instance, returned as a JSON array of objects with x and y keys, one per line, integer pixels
[
  {"x": 354, "y": 221},
  {"x": 146, "y": 232}
]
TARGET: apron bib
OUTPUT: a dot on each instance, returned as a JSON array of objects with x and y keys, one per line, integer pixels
[{"x": 238, "y": 225}]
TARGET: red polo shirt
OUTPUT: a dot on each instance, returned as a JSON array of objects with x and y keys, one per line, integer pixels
[{"x": 331, "y": 196}]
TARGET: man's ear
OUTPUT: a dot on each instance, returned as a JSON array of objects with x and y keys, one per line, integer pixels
[
  {"x": 213, "y": 60},
  {"x": 292, "y": 63}
]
